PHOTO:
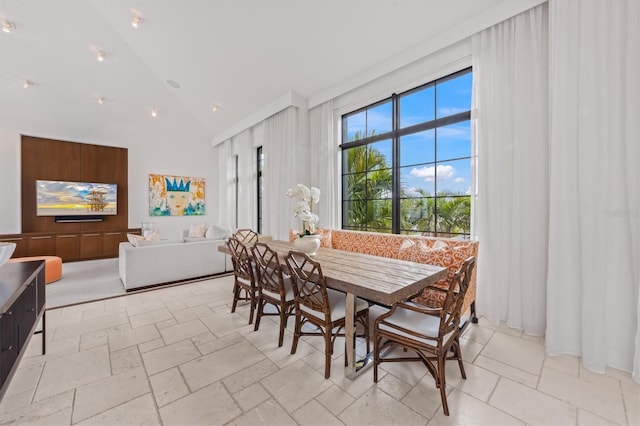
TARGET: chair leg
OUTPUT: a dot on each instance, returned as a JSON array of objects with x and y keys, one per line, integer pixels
[
  {"x": 296, "y": 333},
  {"x": 283, "y": 324},
  {"x": 366, "y": 330},
  {"x": 328, "y": 350},
  {"x": 441, "y": 380},
  {"x": 252, "y": 306},
  {"x": 458, "y": 353},
  {"x": 259, "y": 313},
  {"x": 236, "y": 296},
  {"x": 376, "y": 356}
]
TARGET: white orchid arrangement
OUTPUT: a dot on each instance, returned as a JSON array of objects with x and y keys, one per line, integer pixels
[{"x": 303, "y": 208}]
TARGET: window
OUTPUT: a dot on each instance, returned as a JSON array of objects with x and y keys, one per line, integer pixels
[
  {"x": 406, "y": 161},
  {"x": 260, "y": 165}
]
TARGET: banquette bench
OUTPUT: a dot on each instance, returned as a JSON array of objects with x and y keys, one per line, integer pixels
[{"x": 446, "y": 252}]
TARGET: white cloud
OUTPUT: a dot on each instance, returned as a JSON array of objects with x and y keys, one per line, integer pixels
[
  {"x": 459, "y": 179},
  {"x": 444, "y": 171},
  {"x": 412, "y": 192},
  {"x": 445, "y": 111}
]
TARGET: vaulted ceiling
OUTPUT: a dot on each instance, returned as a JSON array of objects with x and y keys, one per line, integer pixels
[{"x": 188, "y": 56}]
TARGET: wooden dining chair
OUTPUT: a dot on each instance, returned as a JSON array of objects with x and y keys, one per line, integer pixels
[
  {"x": 430, "y": 332},
  {"x": 244, "y": 284},
  {"x": 274, "y": 287},
  {"x": 321, "y": 306},
  {"x": 246, "y": 236}
]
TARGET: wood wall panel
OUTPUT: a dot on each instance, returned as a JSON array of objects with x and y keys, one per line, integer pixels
[
  {"x": 49, "y": 159},
  {"x": 107, "y": 165}
]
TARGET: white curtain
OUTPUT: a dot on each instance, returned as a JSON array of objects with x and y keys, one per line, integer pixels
[
  {"x": 593, "y": 280},
  {"x": 225, "y": 200},
  {"x": 247, "y": 197},
  {"x": 511, "y": 139},
  {"x": 285, "y": 165},
  {"x": 324, "y": 151}
]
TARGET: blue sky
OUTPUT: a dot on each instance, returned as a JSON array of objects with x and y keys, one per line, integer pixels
[{"x": 418, "y": 151}]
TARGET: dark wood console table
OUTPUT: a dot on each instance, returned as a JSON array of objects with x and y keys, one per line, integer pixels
[{"x": 22, "y": 302}]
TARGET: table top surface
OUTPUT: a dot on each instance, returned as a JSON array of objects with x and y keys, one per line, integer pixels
[{"x": 380, "y": 279}]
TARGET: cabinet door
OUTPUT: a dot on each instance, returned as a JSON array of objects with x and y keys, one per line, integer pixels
[
  {"x": 22, "y": 248},
  {"x": 68, "y": 246},
  {"x": 91, "y": 245},
  {"x": 42, "y": 245},
  {"x": 111, "y": 242},
  {"x": 8, "y": 344},
  {"x": 25, "y": 313}
]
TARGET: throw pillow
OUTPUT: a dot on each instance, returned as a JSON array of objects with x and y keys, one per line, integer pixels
[
  {"x": 438, "y": 244},
  {"x": 217, "y": 232},
  {"x": 197, "y": 230},
  {"x": 134, "y": 239},
  {"x": 138, "y": 240}
]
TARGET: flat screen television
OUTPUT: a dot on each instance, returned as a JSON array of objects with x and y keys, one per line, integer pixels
[{"x": 69, "y": 199}]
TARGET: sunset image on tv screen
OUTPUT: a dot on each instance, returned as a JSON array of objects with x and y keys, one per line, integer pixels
[{"x": 56, "y": 198}]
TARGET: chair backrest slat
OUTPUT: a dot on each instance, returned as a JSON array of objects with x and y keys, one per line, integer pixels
[
  {"x": 310, "y": 286},
  {"x": 269, "y": 267},
  {"x": 452, "y": 306},
  {"x": 242, "y": 260},
  {"x": 246, "y": 236}
]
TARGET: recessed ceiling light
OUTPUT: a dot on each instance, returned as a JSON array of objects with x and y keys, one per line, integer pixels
[
  {"x": 27, "y": 83},
  {"x": 173, "y": 84},
  {"x": 101, "y": 100},
  {"x": 154, "y": 112},
  {"x": 214, "y": 108},
  {"x": 7, "y": 26},
  {"x": 136, "y": 21},
  {"x": 100, "y": 55}
]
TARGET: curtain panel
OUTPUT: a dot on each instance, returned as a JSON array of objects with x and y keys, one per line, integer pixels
[
  {"x": 593, "y": 280},
  {"x": 510, "y": 122},
  {"x": 247, "y": 196},
  {"x": 325, "y": 151},
  {"x": 226, "y": 207},
  {"x": 284, "y": 161},
  {"x": 558, "y": 206}
]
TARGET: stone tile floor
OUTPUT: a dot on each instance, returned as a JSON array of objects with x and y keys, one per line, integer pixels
[{"x": 176, "y": 356}]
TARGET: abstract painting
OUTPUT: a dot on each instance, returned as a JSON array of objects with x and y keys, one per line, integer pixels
[{"x": 176, "y": 195}]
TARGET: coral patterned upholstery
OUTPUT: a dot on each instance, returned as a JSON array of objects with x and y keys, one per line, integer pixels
[
  {"x": 446, "y": 252},
  {"x": 325, "y": 236}
]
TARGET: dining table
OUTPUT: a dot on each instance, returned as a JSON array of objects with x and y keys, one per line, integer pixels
[{"x": 379, "y": 279}]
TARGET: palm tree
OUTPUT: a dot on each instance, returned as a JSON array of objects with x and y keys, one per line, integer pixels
[
  {"x": 454, "y": 213},
  {"x": 368, "y": 187},
  {"x": 417, "y": 213}
]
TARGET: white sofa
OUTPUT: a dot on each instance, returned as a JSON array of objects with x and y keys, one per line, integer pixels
[{"x": 170, "y": 261}]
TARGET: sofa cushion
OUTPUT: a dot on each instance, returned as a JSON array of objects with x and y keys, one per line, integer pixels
[
  {"x": 137, "y": 240},
  {"x": 197, "y": 230},
  {"x": 218, "y": 232}
]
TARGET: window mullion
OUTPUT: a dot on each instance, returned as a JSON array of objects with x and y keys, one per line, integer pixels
[{"x": 395, "y": 158}]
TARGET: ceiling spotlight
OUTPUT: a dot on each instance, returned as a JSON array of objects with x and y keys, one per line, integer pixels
[
  {"x": 154, "y": 112},
  {"x": 27, "y": 83},
  {"x": 7, "y": 26},
  {"x": 136, "y": 20},
  {"x": 101, "y": 100},
  {"x": 214, "y": 108},
  {"x": 100, "y": 55}
]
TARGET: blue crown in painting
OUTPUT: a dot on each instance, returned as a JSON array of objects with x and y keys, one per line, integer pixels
[{"x": 175, "y": 187}]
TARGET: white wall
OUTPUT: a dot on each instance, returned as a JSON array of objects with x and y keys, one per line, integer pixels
[{"x": 157, "y": 146}]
